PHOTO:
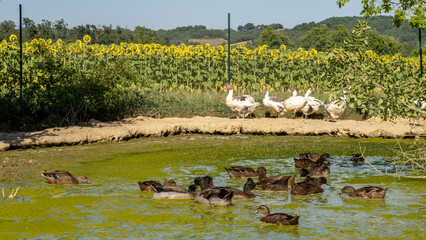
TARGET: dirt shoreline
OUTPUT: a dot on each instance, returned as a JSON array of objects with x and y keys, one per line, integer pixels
[{"x": 125, "y": 129}]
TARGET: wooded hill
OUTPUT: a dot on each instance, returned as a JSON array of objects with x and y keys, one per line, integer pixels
[{"x": 406, "y": 37}]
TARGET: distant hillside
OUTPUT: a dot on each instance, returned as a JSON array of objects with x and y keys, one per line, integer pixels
[{"x": 383, "y": 24}]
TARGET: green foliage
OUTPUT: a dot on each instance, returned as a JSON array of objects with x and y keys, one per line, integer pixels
[
  {"x": 273, "y": 39},
  {"x": 382, "y": 44},
  {"x": 414, "y": 9},
  {"x": 380, "y": 87},
  {"x": 317, "y": 38}
]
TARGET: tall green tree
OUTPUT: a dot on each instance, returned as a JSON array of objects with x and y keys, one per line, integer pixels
[
  {"x": 317, "y": 37},
  {"x": 6, "y": 29},
  {"x": 145, "y": 35},
  {"x": 382, "y": 44},
  {"x": 273, "y": 39},
  {"x": 340, "y": 35}
]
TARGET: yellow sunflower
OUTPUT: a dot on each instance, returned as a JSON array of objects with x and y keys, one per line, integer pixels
[
  {"x": 13, "y": 38},
  {"x": 87, "y": 39}
]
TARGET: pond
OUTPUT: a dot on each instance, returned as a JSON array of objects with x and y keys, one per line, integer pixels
[{"x": 112, "y": 206}]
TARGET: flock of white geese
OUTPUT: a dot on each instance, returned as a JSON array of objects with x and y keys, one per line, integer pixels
[{"x": 245, "y": 105}]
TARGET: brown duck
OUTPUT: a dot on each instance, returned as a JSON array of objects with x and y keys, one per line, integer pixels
[
  {"x": 276, "y": 218},
  {"x": 242, "y": 172},
  {"x": 365, "y": 192},
  {"x": 303, "y": 163},
  {"x": 304, "y": 188},
  {"x": 148, "y": 185},
  {"x": 63, "y": 177},
  {"x": 357, "y": 158},
  {"x": 314, "y": 157},
  {"x": 274, "y": 185},
  {"x": 314, "y": 181},
  {"x": 322, "y": 169},
  {"x": 207, "y": 183}
]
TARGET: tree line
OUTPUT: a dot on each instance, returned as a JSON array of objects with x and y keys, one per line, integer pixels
[{"x": 383, "y": 37}]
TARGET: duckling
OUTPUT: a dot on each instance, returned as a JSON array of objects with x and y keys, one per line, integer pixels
[
  {"x": 173, "y": 192},
  {"x": 276, "y": 218},
  {"x": 273, "y": 103},
  {"x": 304, "y": 188},
  {"x": 147, "y": 185},
  {"x": 63, "y": 177},
  {"x": 294, "y": 103},
  {"x": 240, "y": 172},
  {"x": 243, "y": 105},
  {"x": 312, "y": 106},
  {"x": 274, "y": 185},
  {"x": 314, "y": 157},
  {"x": 365, "y": 192},
  {"x": 357, "y": 158},
  {"x": 322, "y": 169}
]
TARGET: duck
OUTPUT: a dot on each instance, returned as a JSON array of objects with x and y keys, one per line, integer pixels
[
  {"x": 294, "y": 103},
  {"x": 243, "y": 105},
  {"x": 273, "y": 103},
  {"x": 303, "y": 163},
  {"x": 365, "y": 192},
  {"x": 335, "y": 108},
  {"x": 173, "y": 192},
  {"x": 238, "y": 194},
  {"x": 292, "y": 90},
  {"x": 242, "y": 172},
  {"x": 215, "y": 197},
  {"x": 314, "y": 157},
  {"x": 63, "y": 177},
  {"x": 147, "y": 185},
  {"x": 304, "y": 188},
  {"x": 319, "y": 169},
  {"x": 276, "y": 218},
  {"x": 419, "y": 103},
  {"x": 312, "y": 106},
  {"x": 274, "y": 185},
  {"x": 357, "y": 158},
  {"x": 314, "y": 181}
]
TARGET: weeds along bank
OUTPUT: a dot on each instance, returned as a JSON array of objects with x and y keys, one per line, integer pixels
[{"x": 65, "y": 83}]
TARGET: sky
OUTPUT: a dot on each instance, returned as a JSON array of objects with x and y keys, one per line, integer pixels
[{"x": 169, "y": 14}]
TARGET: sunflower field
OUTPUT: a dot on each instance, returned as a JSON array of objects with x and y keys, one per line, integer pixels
[{"x": 66, "y": 83}]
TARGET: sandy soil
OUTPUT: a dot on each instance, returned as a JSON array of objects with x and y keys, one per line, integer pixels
[{"x": 95, "y": 131}]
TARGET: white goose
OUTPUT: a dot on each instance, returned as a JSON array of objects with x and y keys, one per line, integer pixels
[
  {"x": 294, "y": 103},
  {"x": 273, "y": 103},
  {"x": 335, "y": 108},
  {"x": 243, "y": 105},
  {"x": 313, "y": 104}
]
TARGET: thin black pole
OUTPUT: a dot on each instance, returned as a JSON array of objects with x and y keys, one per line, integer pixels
[
  {"x": 421, "y": 57},
  {"x": 229, "y": 55},
  {"x": 20, "y": 63},
  {"x": 229, "y": 48}
]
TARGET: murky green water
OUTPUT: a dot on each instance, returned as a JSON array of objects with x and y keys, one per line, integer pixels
[{"x": 114, "y": 207}]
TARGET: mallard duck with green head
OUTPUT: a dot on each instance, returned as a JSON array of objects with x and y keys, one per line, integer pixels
[{"x": 63, "y": 177}]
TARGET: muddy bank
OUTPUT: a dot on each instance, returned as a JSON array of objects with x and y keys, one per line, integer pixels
[{"x": 144, "y": 127}]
